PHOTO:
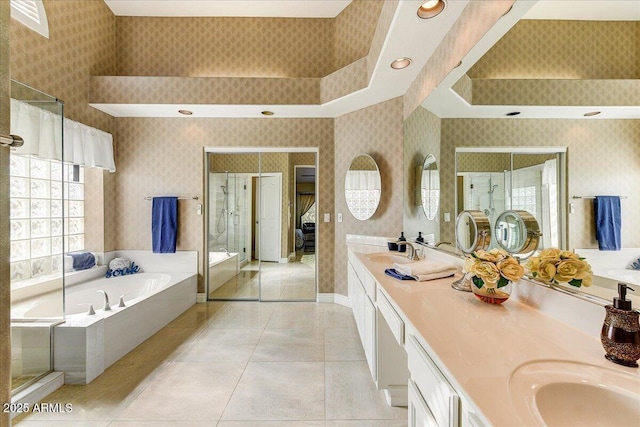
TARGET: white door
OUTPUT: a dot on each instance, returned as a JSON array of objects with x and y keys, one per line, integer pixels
[{"x": 270, "y": 203}]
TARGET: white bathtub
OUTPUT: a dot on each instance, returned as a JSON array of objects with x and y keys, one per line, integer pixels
[
  {"x": 222, "y": 267},
  {"x": 85, "y": 345}
]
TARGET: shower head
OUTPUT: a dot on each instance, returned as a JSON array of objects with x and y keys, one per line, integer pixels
[
  {"x": 224, "y": 189},
  {"x": 493, "y": 188}
]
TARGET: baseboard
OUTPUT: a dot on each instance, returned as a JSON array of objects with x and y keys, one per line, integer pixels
[
  {"x": 201, "y": 298},
  {"x": 39, "y": 390},
  {"x": 397, "y": 395},
  {"x": 334, "y": 298}
]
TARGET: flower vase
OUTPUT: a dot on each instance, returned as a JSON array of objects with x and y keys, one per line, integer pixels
[{"x": 489, "y": 292}]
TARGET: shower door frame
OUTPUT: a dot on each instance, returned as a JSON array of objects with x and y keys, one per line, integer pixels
[{"x": 259, "y": 151}]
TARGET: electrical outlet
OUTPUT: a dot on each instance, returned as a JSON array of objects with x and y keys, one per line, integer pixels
[
  {"x": 327, "y": 217},
  {"x": 447, "y": 217},
  {"x": 339, "y": 217}
]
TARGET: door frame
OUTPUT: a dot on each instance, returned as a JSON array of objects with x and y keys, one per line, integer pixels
[
  {"x": 295, "y": 205},
  {"x": 256, "y": 150}
]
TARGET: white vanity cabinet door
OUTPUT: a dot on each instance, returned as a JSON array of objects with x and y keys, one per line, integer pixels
[
  {"x": 369, "y": 341},
  {"x": 440, "y": 397},
  {"x": 419, "y": 413}
]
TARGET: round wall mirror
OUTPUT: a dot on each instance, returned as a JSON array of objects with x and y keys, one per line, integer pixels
[
  {"x": 518, "y": 233},
  {"x": 473, "y": 231},
  {"x": 363, "y": 187},
  {"x": 430, "y": 187}
]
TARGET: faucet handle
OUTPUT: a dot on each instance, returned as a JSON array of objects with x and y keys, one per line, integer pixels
[{"x": 121, "y": 303}]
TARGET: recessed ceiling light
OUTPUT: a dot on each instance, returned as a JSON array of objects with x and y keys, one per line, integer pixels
[
  {"x": 591, "y": 113},
  {"x": 431, "y": 8},
  {"x": 513, "y": 113},
  {"x": 185, "y": 112},
  {"x": 266, "y": 113},
  {"x": 401, "y": 63}
]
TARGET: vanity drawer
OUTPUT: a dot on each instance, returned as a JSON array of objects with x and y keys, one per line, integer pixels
[
  {"x": 369, "y": 284},
  {"x": 392, "y": 318},
  {"x": 438, "y": 394},
  {"x": 419, "y": 413}
]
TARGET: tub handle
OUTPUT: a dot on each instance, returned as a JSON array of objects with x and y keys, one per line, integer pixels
[
  {"x": 107, "y": 306},
  {"x": 121, "y": 303}
]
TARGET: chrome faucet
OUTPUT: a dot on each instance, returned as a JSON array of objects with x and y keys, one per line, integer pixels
[
  {"x": 442, "y": 242},
  {"x": 225, "y": 250},
  {"x": 107, "y": 306},
  {"x": 412, "y": 254}
]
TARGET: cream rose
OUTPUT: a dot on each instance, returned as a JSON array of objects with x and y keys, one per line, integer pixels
[
  {"x": 533, "y": 265},
  {"x": 494, "y": 255},
  {"x": 511, "y": 269},
  {"x": 547, "y": 270},
  {"x": 550, "y": 253},
  {"x": 488, "y": 272},
  {"x": 568, "y": 269}
]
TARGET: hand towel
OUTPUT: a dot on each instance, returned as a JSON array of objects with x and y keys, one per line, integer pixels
[
  {"x": 397, "y": 275},
  {"x": 82, "y": 260},
  {"x": 426, "y": 270},
  {"x": 608, "y": 222},
  {"x": 164, "y": 224}
]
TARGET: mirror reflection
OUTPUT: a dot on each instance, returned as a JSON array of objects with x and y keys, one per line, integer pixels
[
  {"x": 363, "y": 187},
  {"x": 430, "y": 187},
  {"x": 517, "y": 232},
  {"x": 261, "y": 226},
  {"x": 473, "y": 231}
]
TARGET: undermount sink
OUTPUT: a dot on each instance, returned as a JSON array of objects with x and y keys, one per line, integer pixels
[
  {"x": 564, "y": 393},
  {"x": 389, "y": 259}
]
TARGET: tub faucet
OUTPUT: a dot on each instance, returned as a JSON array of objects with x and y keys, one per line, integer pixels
[
  {"x": 442, "y": 242},
  {"x": 226, "y": 251},
  {"x": 412, "y": 254},
  {"x": 107, "y": 306},
  {"x": 121, "y": 303}
]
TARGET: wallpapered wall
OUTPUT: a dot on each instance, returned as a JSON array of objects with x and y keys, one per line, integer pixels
[
  {"x": 603, "y": 159},
  {"x": 166, "y": 156},
  {"x": 421, "y": 137},
  {"x": 245, "y": 47},
  {"x": 81, "y": 43},
  {"x": 564, "y": 50},
  {"x": 377, "y": 131}
]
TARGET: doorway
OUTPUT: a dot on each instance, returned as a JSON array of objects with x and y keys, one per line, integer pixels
[{"x": 273, "y": 268}]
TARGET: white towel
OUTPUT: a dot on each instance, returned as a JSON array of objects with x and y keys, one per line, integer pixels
[{"x": 426, "y": 270}]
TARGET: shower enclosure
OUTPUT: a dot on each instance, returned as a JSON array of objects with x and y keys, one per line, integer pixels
[
  {"x": 227, "y": 224},
  {"x": 39, "y": 203}
]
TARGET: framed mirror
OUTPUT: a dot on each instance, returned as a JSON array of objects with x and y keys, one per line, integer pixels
[
  {"x": 430, "y": 187},
  {"x": 473, "y": 231},
  {"x": 517, "y": 232},
  {"x": 363, "y": 187}
]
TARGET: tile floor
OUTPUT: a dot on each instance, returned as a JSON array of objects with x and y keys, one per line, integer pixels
[{"x": 235, "y": 364}]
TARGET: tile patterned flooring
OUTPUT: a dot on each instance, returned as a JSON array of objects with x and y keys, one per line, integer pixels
[{"x": 235, "y": 364}]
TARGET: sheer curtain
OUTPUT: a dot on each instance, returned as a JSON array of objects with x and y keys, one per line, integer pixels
[
  {"x": 305, "y": 201},
  {"x": 41, "y": 131},
  {"x": 362, "y": 192}
]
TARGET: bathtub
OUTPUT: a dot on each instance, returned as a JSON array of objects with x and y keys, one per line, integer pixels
[
  {"x": 222, "y": 267},
  {"x": 85, "y": 345}
]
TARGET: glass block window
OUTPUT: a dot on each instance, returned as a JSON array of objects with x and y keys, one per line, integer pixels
[
  {"x": 524, "y": 198},
  {"x": 41, "y": 191}
]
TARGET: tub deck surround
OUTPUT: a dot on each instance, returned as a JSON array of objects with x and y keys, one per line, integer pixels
[{"x": 477, "y": 345}]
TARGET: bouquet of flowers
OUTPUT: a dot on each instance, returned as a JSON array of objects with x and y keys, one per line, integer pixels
[
  {"x": 554, "y": 266},
  {"x": 493, "y": 269}
]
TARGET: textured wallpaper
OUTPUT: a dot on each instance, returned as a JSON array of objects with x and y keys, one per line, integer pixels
[
  {"x": 421, "y": 137},
  {"x": 166, "y": 157},
  {"x": 376, "y": 131},
  {"x": 564, "y": 50},
  {"x": 354, "y": 29},
  {"x": 603, "y": 159}
]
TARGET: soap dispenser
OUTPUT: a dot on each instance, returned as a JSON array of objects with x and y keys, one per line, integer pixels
[
  {"x": 402, "y": 248},
  {"x": 621, "y": 331},
  {"x": 420, "y": 239}
]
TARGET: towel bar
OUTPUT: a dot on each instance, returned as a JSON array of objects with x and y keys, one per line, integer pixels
[
  {"x": 593, "y": 197},
  {"x": 179, "y": 198}
]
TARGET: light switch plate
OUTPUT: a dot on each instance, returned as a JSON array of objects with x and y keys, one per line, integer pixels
[
  {"x": 327, "y": 217},
  {"x": 339, "y": 217},
  {"x": 447, "y": 217}
]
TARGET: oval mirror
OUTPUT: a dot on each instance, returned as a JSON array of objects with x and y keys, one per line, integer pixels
[
  {"x": 517, "y": 232},
  {"x": 430, "y": 187},
  {"x": 473, "y": 231},
  {"x": 363, "y": 187}
]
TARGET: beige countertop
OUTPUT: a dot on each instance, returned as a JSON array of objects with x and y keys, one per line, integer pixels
[{"x": 478, "y": 345}]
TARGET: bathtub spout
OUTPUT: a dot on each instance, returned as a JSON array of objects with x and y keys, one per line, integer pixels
[
  {"x": 121, "y": 303},
  {"x": 226, "y": 251},
  {"x": 107, "y": 306}
]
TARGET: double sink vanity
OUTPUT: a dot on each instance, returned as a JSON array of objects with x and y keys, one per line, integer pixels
[{"x": 457, "y": 361}]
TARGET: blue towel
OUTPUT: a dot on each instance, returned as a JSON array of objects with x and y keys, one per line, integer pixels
[
  {"x": 164, "y": 224},
  {"x": 608, "y": 222},
  {"x": 82, "y": 260},
  {"x": 397, "y": 275}
]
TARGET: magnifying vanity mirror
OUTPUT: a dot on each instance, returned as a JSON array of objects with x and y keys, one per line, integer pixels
[
  {"x": 518, "y": 233},
  {"x": 363, "y": 187},
  {"x": 473, "y": 232},
  {"x": 430, "y": 187}
]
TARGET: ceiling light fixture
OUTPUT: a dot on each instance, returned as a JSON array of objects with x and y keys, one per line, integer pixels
[
  {"x": 185, "y": 112},
  {"x": 266, "y": 113},
  {"x": 401, "y": 63},
  {"x": 591, "y": 113},
  {"x": 431, "y": 8},
  {"x": 513, "y": 113}
]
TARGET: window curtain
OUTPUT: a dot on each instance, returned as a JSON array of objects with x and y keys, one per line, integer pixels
[
  {"x": 43, "y": 132},
  {"x": 305, "y": 201}
]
